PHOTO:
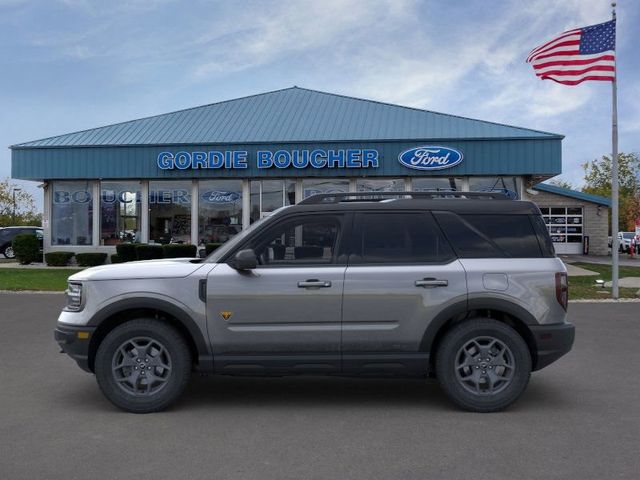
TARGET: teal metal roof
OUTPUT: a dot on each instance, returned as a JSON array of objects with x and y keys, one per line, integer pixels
[
  {"x": 288, "y": 116},
  {"x": 566, "y": 192}
]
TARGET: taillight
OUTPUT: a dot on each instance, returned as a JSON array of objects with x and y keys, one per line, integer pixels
[{"x": 562, "y": 289}]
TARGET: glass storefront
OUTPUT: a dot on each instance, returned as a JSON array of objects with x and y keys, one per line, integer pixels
[
  {"x": 269, "y": 195},
  {"x": 72, "y": 213},
  {"x": 441, "y": 184},
  {"x": 170, "y": 212},
  {"x": 380, "y": 185},
  {"x": 314, "y": 186},
  {"x": 219, "y": 210},
  {"x": 506, "y": 185},
  {"x": 119, "y": 212}
]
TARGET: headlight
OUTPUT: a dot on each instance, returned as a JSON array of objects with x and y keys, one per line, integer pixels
[{"x": 74, "y": 297}]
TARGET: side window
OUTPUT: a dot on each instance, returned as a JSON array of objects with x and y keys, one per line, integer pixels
[
  {"x": 400, "y": 238},
  {"x": 490, "y": 236},
  {"x": 513, "y": 234},
  {"x": 302, "y": 241},
  {"x": 467, "y": 241}
]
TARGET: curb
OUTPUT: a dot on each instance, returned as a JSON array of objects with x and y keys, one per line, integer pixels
[
  {"x": 606, "y": 300},
  {"x": 30, "y": 292}
]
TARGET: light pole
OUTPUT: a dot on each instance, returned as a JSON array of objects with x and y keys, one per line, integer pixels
[{"x": 14, "y": 203}]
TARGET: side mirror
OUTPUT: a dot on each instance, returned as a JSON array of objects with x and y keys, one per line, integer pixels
[{"x": 245, "y": 260}]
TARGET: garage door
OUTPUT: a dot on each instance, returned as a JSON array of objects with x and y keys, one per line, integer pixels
[{"x": 565, "y": 227}]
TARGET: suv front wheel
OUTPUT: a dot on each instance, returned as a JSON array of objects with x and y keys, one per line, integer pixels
[
  {"x": 483, "y": 365},
  {"x": 143, "y": 365}
]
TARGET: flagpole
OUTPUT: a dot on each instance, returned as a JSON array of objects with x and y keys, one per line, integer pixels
[{"x": 614, "y": 176}]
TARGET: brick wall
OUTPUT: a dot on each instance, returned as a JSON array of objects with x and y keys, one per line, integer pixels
[{"x": 594, "y": 225}]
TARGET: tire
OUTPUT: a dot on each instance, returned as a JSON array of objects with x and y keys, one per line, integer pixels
[
  {"x": 481, "y": 383},
  {"x": 135, "y": 352},
  {"x": 8, "y": 252}
]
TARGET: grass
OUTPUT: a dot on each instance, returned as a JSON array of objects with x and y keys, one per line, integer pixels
[
  {"x": 585, "y": 287},
  {"x": 44, "y": 279}
]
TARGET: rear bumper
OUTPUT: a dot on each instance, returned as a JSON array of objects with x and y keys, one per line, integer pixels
[
  {"x": 74, "y": 341},
  {"x": 552, "y": 342}
]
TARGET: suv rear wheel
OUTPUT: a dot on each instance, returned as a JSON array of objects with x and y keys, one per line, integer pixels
[
  {"x": 483, "y": 365},
  {"x": 143, "y": 365},
  {"x": 8, "y": 252}
]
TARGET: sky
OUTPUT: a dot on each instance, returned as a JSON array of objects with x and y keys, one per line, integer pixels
[{"x": 68, "y": 65}]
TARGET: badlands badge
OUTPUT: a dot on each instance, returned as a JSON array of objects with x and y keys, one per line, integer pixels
[{"x": 226, "y": 315}]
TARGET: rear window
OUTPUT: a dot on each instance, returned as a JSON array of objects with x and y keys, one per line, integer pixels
[{"x": 491, "y": 236}]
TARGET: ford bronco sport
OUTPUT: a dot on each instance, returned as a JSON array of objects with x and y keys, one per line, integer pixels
[{"x": 461, "y": 286}]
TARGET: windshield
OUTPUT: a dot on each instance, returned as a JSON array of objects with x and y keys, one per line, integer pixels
[
  {"x": 628, "y": 234},
  {"x": 221, "y": 251}
]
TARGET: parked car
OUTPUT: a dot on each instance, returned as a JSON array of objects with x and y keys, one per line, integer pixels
[
  {"x": 624, "y": 241},
  {"x": 465, "y": 289},
  {"x": 7, "y": 234}
]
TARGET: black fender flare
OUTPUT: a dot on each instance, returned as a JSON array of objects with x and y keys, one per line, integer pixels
[
  {"x": 205, "y": 357},
  {"x": 464, "y": 307}
]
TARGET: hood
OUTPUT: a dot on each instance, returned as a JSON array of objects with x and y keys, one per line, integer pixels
[{"x": 165, "y": 268}]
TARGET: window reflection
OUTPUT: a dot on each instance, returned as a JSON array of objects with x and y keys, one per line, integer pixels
[
  {"x": 119, "y": 212},
  {"x": 219, "y": 210},
  {"x": 170, "y": 212}
]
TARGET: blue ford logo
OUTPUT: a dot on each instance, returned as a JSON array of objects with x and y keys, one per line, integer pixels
[
  {"x": 219, "y": 197},
  {"x": 430, "y": 158}
]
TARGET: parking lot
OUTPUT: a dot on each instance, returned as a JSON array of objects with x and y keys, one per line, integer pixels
[{"x": 579, "y": 419}]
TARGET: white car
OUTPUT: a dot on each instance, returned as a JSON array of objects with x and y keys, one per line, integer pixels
[{"x": 624, "y": 241}]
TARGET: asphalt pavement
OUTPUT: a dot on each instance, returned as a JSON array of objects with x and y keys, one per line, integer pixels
[{"x": 579, "y": 419}]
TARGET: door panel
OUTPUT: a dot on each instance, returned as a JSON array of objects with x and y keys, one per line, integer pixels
[
  {"x": 402, "y": 274},
  {"x": 286, "y": 313},
  {"x": 385, "y": 311}
]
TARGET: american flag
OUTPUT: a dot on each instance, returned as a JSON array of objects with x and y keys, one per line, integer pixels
[{"x": 577, "y": 55}]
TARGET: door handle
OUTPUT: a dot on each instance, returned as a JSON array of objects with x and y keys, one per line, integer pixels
[
  {"x": 313, "y": 283},
  {"x": 431, "y": 283}
]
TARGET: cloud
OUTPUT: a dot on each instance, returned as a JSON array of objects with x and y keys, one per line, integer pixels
[{"x": 280, "y": 30}]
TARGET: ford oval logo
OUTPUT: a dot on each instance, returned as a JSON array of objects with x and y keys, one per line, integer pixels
[
  {"x": 219, "y": 197},
  {"x": 430, "y": 157}
]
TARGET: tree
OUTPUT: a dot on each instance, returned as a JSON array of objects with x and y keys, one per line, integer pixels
[
  {"x": 598, "y": 182},
  {"x": 25, "y": 207}
]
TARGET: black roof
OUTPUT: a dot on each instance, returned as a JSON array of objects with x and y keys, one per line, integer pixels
[{"x": 465, "y": 203}]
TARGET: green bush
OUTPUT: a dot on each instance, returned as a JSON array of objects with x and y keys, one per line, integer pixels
[
  {"x": 27, "y": 248},
  {"x": 90, "y": 259},
  {"x": 211, "y": 247},
  {"x": 115, "y": 258},
  {"x": 148, "y": 252},
  {"x": 58, "y": 259},
  {"x": 179, "y": 250},
  {"x": 127, "y": 252}
]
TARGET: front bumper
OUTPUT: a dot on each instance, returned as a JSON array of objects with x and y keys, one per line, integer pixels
[
  {"x": 552, "y": 342},
  {"x": 75, "y": 341}
]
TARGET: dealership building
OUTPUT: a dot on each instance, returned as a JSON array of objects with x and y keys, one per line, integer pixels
[{"x": 202, "y": 174}]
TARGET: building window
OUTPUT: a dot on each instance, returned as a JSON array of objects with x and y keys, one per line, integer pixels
[
  {"x": 269, "y": 195},
  {"x": 170, "y": 212},
  {"x": 72, "y": 213},
  {"x": 314, "y": 186},
  {"x": 441, "y": 184},
  {"x": 506, "y": 185},
  {"x": 219, "y": 210},
  {"x": 119, "y": 212},
  {"x": 380, "y": 185}
]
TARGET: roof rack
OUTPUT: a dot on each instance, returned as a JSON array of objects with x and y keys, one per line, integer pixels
[{"x": 325, "y": 198}]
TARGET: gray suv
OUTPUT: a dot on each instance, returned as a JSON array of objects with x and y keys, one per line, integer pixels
[{"x": 460, "y": 286}]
